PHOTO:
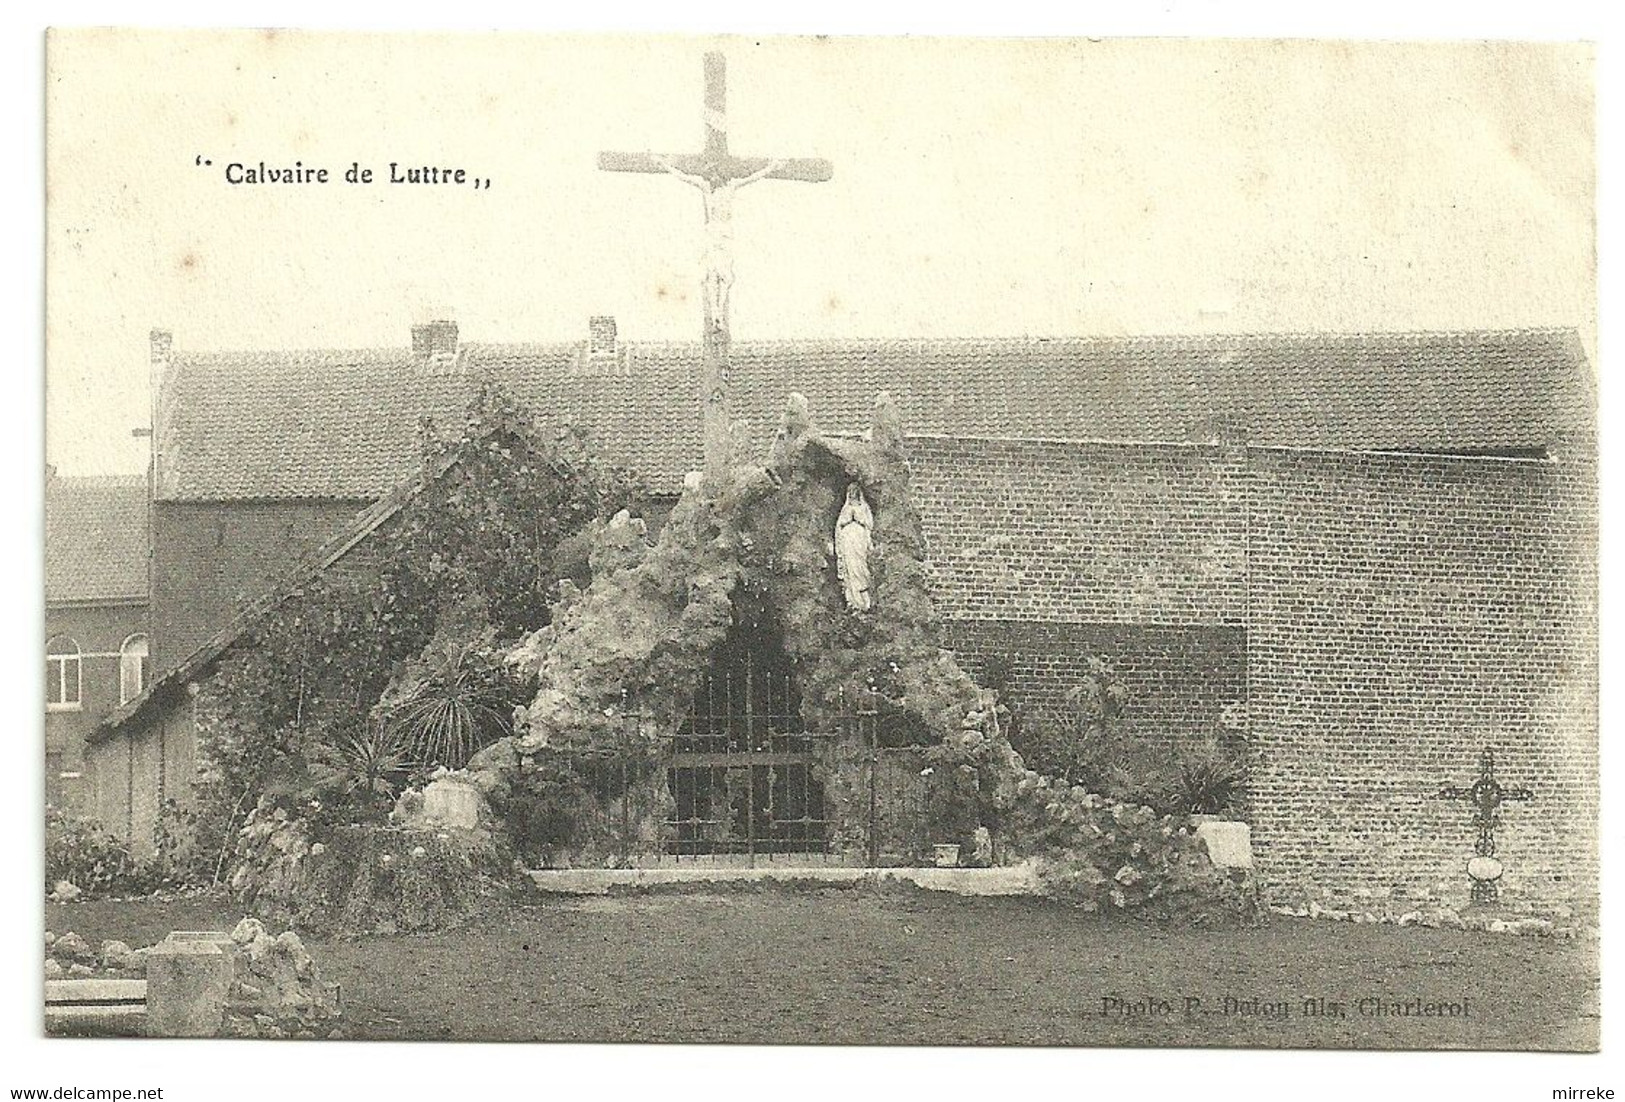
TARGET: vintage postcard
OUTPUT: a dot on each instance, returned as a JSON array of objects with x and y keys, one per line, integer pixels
[{"x": 821, "y": 541}]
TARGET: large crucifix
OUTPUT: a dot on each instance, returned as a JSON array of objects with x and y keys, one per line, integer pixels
[{"x": 717, "y": 175}]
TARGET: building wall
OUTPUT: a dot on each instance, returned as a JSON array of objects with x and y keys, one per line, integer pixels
[
  {"x": 210, "y": 558},
  {"x": 1048, "y": 554},
  {"x": 1405, "y": 613},
  {"x": 1374, "y": 620},
  {"x": 1380, "y": 619},
  {"x": 145, "y": 765},
  {"x": 1083, "y": 533},
  {"x": 100, "y": 630}
]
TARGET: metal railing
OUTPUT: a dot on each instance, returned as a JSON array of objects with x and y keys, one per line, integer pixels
[{"x": 738, "y": 783}]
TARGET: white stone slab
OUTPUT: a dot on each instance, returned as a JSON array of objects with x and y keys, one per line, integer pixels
[
  {"x": 1007, "y": 880},
  {"x": 61, "y": 992},
  {"x": 1229, "y": 844}
]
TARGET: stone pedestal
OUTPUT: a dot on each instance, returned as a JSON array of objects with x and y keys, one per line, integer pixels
[
  {"x": 452, "y": 803},
  {"x": 187, "y": 982}
]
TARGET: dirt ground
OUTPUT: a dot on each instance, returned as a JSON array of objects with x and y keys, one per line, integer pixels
[{"x": 853, "y": 966}]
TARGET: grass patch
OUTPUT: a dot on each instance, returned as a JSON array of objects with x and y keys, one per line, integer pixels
[{"x": 838, "y": 966}]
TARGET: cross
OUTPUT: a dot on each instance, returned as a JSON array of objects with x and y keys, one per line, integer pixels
[
  {"x": 717, "y": 174},
  {"x": 1487, "y": 796}
]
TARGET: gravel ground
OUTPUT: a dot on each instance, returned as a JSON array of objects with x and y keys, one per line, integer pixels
[{"x": 861, "y": 966}]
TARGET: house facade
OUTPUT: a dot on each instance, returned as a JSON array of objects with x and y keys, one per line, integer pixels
[
  {"x": 96, "y": 637},
  {"x": 1372, "y": 554}
]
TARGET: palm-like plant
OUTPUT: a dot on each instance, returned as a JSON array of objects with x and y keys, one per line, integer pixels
[
  {"x": 368, "y": 763},
  {"x": 1208, "y": 778},
  {"x": 456, "y": 701}
]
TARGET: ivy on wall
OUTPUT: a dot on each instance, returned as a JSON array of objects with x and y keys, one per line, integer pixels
[{"x": 356, "y": 666}]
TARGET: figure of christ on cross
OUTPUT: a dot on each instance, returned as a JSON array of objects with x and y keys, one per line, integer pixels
[
  {"x": 717, "y": 175},
  {"x": 716, "y": 263}
]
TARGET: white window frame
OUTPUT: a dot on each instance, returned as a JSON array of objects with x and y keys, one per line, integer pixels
[
  {"x": 60, "y": 664},
  {"x": 125, "y": 655}
]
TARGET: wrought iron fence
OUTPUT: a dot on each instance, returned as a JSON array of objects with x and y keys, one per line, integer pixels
[{"x": 746, "y": 785}]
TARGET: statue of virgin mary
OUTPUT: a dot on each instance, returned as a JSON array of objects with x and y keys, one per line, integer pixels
[{"x": 852, "y": 539}]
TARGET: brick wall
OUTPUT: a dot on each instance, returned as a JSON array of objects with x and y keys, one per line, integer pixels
[
  {"x": 209, "y": 558},
  {"x": 1405, "y": 612},
  {"x": 1383, "y": 617},
  {"x": 1083, "y": 533},
  {"x": 1050, "y": 553},
  {"x": 1179, "y": 678}
]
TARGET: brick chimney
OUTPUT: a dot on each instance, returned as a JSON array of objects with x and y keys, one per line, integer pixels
[
  {"x": 603, "y": 350},
  {"x": 602, "y": 344},
  {"x": 435, "y": 343},
  {"x": 161, "y": 351}
]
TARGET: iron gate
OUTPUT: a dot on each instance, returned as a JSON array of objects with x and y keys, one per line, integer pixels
[
  {"x": 744, "y": 773},
  {"x": 746, "y": 778}
]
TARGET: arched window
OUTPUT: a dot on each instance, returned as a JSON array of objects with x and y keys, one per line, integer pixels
[
  {"x": 132, "y": 668},
  {"x": 62, "y": 675}
]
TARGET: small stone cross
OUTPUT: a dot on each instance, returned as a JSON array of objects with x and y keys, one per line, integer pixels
[{"x": 1486, "y": 795}]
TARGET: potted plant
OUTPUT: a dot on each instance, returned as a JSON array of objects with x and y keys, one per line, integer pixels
[{"x": 953, "y": 816}]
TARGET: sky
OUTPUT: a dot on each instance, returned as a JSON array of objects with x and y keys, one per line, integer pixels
[{"x": 981, "y": 187}]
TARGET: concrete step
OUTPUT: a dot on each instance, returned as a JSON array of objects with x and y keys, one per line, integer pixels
[
  {"x": 95, "y": 1006},
  {"x": 94, "y": 992},
  {"x": 1011, "y": 880}
]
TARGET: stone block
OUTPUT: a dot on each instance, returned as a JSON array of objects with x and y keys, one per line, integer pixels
[
  {"x": 219, "y": 937},
  {"x": 1229, "y": 844},
  {"x": 69, "y": 992},
  {"x": 97, "y": 1007},
  {"x": 452, "y": 802},
  {"x": 187, "y": 982}
]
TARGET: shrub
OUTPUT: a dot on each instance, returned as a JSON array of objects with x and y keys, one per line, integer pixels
[
  {"x": 477, "y": 554},
  {"x": 546, "y": 812},
  {"x": 453, "y": 701},
  {"x": 357, "y": 775},
  {"x": 101, "y": 864},
  {"x": 179, "y": 859},
  {"x": 579, "y": 805},
  {"x": 1081, "y": 741},
  {"x": 88, "y": 856},
  {"x": 1208, "y": 778},
  {"x": 1103, "y": 854}
]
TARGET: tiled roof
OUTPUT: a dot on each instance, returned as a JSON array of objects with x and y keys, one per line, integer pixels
[
  {"x": 95, "y": 538},
  {"x": 339, "y": 544},
  {"x": 334, "y": 424}
]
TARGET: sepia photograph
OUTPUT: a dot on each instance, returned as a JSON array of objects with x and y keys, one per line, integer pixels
[{"x": 861, "y": 541}]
